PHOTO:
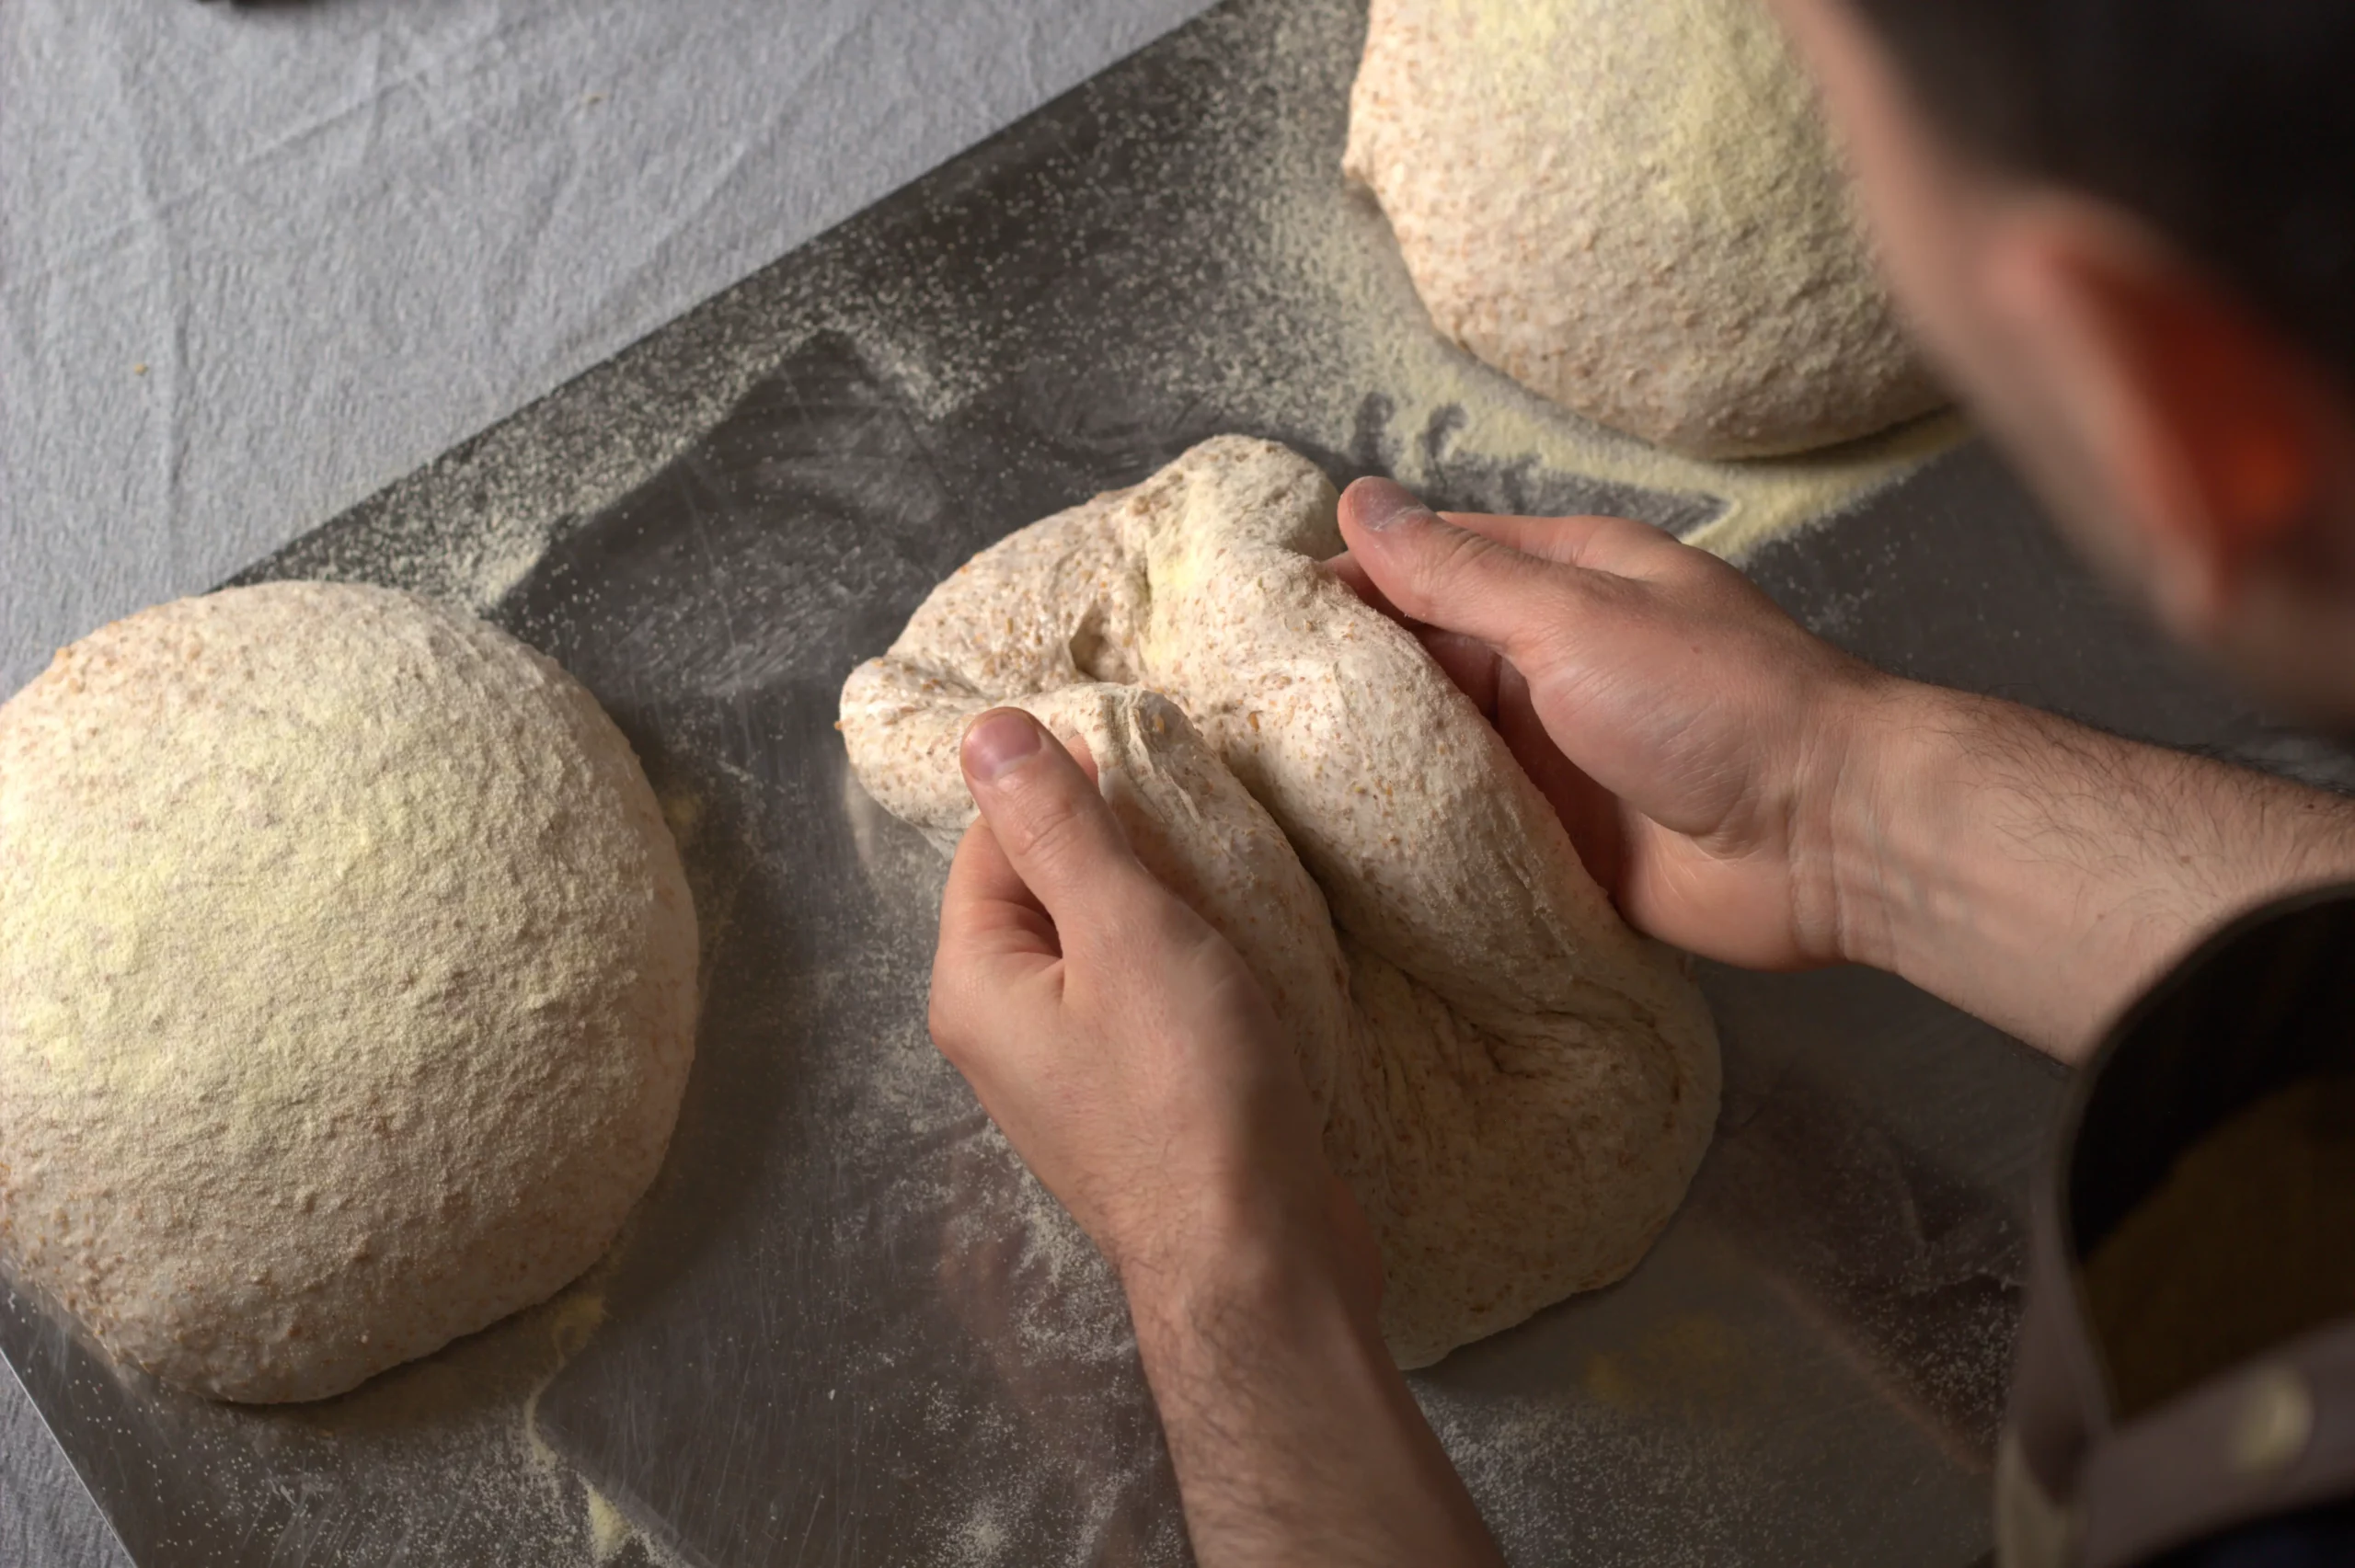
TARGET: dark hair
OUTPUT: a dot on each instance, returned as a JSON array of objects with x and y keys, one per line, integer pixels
[{"x": 2228, "y": 125}]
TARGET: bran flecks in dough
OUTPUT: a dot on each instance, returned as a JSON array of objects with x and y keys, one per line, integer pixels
[
  {"x": 1517, "y": 1087},
  {"x": 347, "y": 984},
  {"x": 1633, "y": 209}
]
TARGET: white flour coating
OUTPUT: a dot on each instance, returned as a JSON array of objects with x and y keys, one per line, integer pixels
[
  {"x": 1516, "y": 1087},
  {"x": 1634, "y": 209},
  {"x": 1344, "y": 324},
  {"x": 350, "y": 980},
  {"x": 1340, "y": 255}
]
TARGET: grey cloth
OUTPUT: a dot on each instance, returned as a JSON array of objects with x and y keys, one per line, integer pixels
[
  {"x": 256, "y": 261},
  {"x": 341, "y": 235},
  {"x": 46, "y": 1519}
]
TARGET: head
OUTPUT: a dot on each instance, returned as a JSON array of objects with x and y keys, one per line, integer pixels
[{"x": 2126, "y": 231}]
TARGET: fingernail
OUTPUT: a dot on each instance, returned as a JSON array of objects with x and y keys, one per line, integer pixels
[
  {"x": 998, "y": 740},
  {"x": 1378, "y": 504}
]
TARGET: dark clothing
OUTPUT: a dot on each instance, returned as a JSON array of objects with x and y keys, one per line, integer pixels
[
  {"x": 2185, "y": 1389},
  {"x": 2320, "y": 1538}
]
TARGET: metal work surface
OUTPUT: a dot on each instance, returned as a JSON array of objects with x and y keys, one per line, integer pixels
[{"x": 846, "y": 1327}]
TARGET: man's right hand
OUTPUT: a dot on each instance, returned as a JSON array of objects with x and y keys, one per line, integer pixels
[
  {"x": 1698, "y": 743},
  {"x": 1748, "y": 792}
]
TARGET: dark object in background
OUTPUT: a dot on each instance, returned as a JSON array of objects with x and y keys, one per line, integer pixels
[
  {"x": 2223, "y": 124},
  {"x": 2186, "y": 1381}
]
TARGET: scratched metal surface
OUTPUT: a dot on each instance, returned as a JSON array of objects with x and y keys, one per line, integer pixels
[{"x": 845, "y": 1328}]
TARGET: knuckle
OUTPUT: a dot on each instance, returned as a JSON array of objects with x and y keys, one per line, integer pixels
[
  {"x": 1047, "y": 822},
  {"x": 1567, "y": 608},
  {"x": 1450, "y": 556},
  {"x": 1117, "y": 937},
  {"x": 1150, "y": 932},
  {"x": 957, "y": 1013},
  {"x": 1127, "y": 926},
  {"x": 1060, "y": 831},
  {"x": 945, "y": 1022}
]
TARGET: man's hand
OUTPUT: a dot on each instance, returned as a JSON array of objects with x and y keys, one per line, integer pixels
[
  {"x": 1117, "y": 1040},
  {"x": 1132, "y": 1061},
  {"x": 1696, "y": 741},
  {"x": 1745, "y": 790}
]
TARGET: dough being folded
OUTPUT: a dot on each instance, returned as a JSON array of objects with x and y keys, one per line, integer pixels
[
  {"x": 1517, "y": 1087},
  {"x": 1632, "y": 207}
]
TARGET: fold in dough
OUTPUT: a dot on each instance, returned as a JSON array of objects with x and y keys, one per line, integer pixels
[{"x": 1517, "y": 1087}]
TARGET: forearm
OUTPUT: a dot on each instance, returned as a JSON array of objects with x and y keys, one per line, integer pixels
[
  {"x": 2040, "y": 874},
  {"x": 1294, "y": 1437}
]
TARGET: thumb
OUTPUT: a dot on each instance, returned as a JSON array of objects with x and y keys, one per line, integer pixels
[
  {"x": 1433, "y": 571},
  {"x": 1045, "y": 813}
]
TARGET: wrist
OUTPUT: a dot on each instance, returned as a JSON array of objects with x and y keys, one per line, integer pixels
[
  {"x": 1245, "y": 1287},
  {"x": 1890, "y": 813},
  {"x": 2037, "y": 872},
  {"x": 1874, "y": 747}
]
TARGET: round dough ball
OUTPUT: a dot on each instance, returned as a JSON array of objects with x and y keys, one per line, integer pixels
[
  {"x": 347, "y": 984},
  {"x": 1632, "y": 207},
  {"x": 1516, "y": 1087}
]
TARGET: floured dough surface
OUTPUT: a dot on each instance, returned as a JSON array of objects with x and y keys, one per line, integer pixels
[
  {"x": 1517, "y": 1087},
  {"x": 347, "y": 984},
  {"x": 1632, "y": 207}
]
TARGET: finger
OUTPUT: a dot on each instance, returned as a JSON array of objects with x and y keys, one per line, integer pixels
[
  {"x": 1045, "y": 814},
  {"x": 988, "y": 914},
  {"x": 1470, "y": 663},
  {"x": 1617, "y": 545},
  {"x": 1596, "y": 541},
  {"x": 1352, "y": 573},
  {"x": 997, "y": 948},
  {"x": 1468, "y": 583},
  {"x": 1588, "y": 812}
]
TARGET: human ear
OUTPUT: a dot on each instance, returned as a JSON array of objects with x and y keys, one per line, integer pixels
[{"x": 2209, "y": 432}]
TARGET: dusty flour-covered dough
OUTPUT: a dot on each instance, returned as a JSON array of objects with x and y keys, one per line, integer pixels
[
  {"x": 347, "y": 984},
  {"x": 1631, "y": 207},
  {"x": 1517, "y": 1087}
]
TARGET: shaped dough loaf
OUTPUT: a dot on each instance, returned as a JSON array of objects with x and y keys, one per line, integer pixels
[
  {"x": 1516, "y": 1087},
  {"x": 1631, "y": 207},
  {"x": 347, "y": 984}
]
